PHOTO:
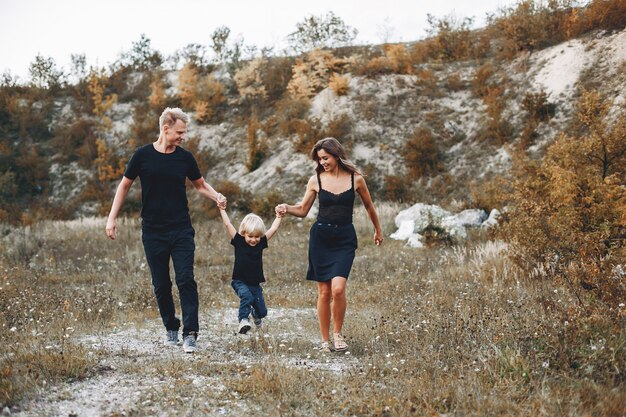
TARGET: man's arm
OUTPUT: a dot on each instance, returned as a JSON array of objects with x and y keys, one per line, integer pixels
[
  {"x": 118, "y": 200},
  {"x": 206, "y": 190}
]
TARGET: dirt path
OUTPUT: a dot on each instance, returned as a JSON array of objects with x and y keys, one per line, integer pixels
[{"x": 138, "y": 375}]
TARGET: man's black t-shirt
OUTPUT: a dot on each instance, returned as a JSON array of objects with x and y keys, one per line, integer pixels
[
  {"x": 163, "y": 194},
  {"x": 248, "y": 260}
]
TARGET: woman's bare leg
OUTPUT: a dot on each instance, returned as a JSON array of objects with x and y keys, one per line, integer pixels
[
  {"x": 323, "y": 308},
  {"x": 338, "y": 290}
]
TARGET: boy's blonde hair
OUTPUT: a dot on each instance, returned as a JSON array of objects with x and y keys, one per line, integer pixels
[{"x": 252, "y": 225}]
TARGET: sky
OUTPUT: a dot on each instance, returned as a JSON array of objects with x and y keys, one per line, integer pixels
[{"x": 102, "y": 30}]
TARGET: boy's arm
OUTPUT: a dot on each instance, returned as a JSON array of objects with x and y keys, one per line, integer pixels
[
  {"x": 227, "y": 224},
  {"x": 274, "y": 227}
]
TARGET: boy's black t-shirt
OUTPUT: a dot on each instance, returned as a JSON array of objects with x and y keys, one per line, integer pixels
[
  {"x": 163, "y": 194},
  {"x": 248, "y": 260}
]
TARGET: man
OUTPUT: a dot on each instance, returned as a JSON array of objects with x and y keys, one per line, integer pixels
[{"x": 162, "y": 168}]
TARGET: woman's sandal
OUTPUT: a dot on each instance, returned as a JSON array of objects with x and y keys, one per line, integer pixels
[
  {"x": 340, "y": 342},
  {"x": 325, "y": 347}
]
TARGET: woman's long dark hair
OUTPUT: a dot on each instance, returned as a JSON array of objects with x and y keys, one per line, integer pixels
[{"x": 333, "y": 147}]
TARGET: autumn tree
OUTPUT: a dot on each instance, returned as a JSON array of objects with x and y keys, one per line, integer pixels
[
  {"x": 157, "y": 99},
  {"x": 312, "y": 73},
  {"x": 324, "y": 31},
  {"x": 108, "y": 165},
  {"x": 142, "y": 56},
  {"x": 257, "y": 146},
  {"x": 44, "y": 73},
  {"x": 568, "y": 217},
  {"x": 421, "y": 154},
  {"x": 451, "y": 37},
  {"x": 249, "y": 81},
  {"x": 202, "y": 93},
  {"x": 538, "y": 110}
]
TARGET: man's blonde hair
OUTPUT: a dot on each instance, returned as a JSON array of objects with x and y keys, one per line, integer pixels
[
  {"x": 252, "y": 225},
  {"x": 170, "y": 115}
]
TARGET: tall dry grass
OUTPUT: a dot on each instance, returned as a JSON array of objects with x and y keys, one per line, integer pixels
[{"x": 453, "y": 330}]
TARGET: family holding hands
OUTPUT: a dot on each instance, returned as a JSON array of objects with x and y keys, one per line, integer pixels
[{"x": 167, "y": 233}]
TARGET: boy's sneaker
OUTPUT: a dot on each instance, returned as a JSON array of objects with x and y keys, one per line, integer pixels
[
  {"x": 258, "y": 323},
  {"x": 189, "y": 343},
  {"x": 171, "y": 338},
  {"x": 244, "y": 326}
]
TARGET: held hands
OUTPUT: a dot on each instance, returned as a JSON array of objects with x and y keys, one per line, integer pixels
[
  {"x": 221, "y": 201},
  {"x": 281, "y": 210}
]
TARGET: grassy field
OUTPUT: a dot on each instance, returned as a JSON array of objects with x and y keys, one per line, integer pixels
[{"x": 454, "y": 330}]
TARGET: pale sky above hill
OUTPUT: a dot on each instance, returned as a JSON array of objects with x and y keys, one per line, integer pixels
[{"x": 103, "y": 29}]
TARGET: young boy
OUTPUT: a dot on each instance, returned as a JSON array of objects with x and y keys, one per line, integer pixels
[{"x": 248, "y": 275}]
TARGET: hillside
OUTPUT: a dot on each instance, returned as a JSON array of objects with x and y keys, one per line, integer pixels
[
  {"x": 381, "y": 114},
  {"x": 433, "y": 121}
]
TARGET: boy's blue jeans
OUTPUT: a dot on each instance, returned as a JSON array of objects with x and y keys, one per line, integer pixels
[
  {"x": 250, "y": 300},
  {"x": 178, "y": 245}
]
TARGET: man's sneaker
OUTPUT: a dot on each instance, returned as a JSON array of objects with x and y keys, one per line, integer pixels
[
  {"x": 189, "y": 343},
  {"x": 258, "y": 323},
  {"x": 244, "y": 326},
  {"x": 171, "y": 339}
]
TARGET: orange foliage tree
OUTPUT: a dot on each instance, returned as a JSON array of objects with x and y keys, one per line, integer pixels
[
  {"x": 203, "y": 94},
  {"x": 421, "y": 154},
  {"x": 568, "y": 217},
  {"x": 311, "y": 74}
]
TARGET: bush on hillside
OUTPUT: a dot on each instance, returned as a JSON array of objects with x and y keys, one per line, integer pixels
[
  {"x": 323, "y": 31},
  {"x": 75, "y": 142},
  {"x": 396, "y": 59},
  {"x": 528, "y": 26},
  {"x": 531, "y": 24},
  {"x": 452, "y": 39},
  {"x": 454, "y": 82},
  {"x": 481, "y": 82},
  {"x": 498, "y": 130},
  {"x": 537, "y": 106},
  {"x": 276, "y": 75},
  {"x": 568, "y": 212},
  {"x": 427, "y": 80},
  {"x": 257, "y": 145},
  {"x": 339, "y": 84},
  {"x": 201, "y": 93},
  {"x": 249, "y": 82},
  {"x": 538, "y": 110},
  {"x": 264, "y": 204},
  {"x": 312, "y": 73},
  {"x": 599, "y": 14},
  {"x": 157, "y": 98},
  {"x": 395, "y": 188},
  {"x": 421, "y": 154}
]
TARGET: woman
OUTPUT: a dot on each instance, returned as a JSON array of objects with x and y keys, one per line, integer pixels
[{"x": 333, "y": 241}]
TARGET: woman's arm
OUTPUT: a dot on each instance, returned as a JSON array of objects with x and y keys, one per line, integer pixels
[
  {"x": 227, "y": 224},
  {"x": 302, "y": 208},
  {"x": 361, "y": 188}
]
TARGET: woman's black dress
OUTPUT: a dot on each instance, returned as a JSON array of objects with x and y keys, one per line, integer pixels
[{"x": 332, "y": 239}]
